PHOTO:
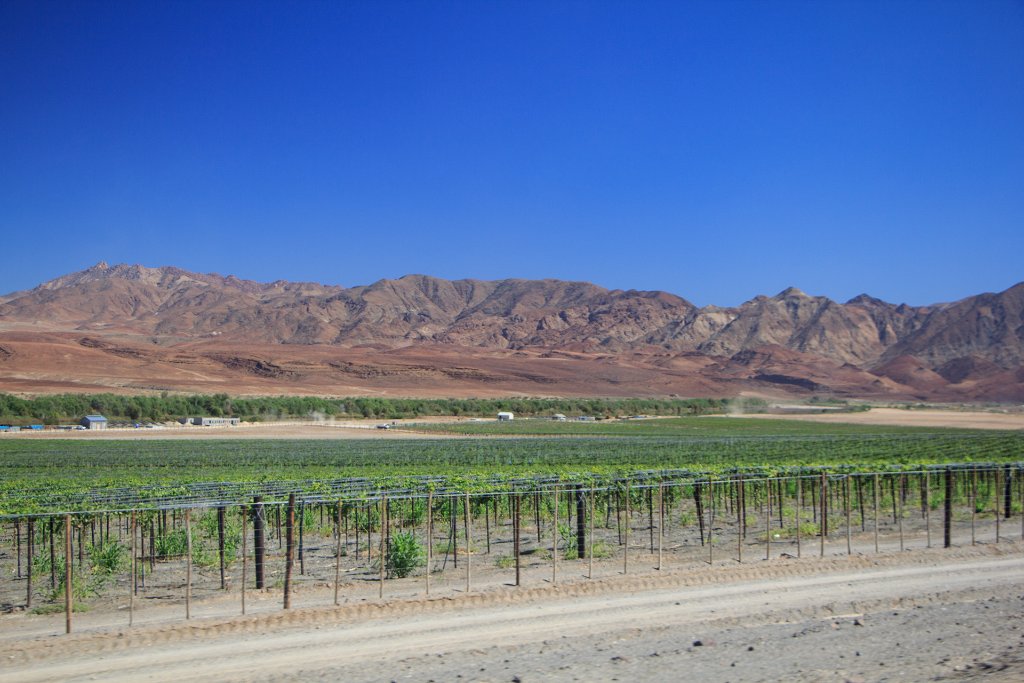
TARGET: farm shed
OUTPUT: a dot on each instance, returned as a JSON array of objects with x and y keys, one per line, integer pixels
[
  {"x": 94, "y": 422},
  {"x": 505, "y": 417}
]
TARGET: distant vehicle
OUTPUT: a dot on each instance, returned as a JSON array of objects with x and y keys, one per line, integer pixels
[{"x": 384, "y": 426}]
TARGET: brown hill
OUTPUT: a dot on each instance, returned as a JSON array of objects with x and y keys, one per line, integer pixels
[{"x": 132, "y": 327}]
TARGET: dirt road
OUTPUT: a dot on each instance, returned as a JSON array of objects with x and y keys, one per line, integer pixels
[{"x": 928, "y": 615}]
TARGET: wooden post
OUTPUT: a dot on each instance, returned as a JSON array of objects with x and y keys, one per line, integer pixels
[
  {"x": 245, "y": 553},
  {"x": 430, "y": 536},
  {"x": 768, "y": 523},
  {"x": 875, "y": 481},
  {"x": 625, "y": 545},
  {"x": 974, "y": 499},
  {"x": 131, "y": 583},
  {"x": 68, "y": 573},
  {"x": 302, "y": 525},
  {"x": 995, "y": 502},
  {"x": 140, "y": 579},
  {"x": 741, "y": 489},
  {"x": 536, "y": 513},
  {"x": 188, "y": 565},
  {"x": 799, "y": 510},
  {"x": 289, "y": 553},
  {"x": 948, "y": 510},
  {"x": 337, "y": 554},
  {"x": 487, "y": 524},
  {"x": 823, "y": 530},
  {"x": 899, "y": 506},
  {"x": 454, "y": 531},
  {"x": 355, "y": 524},
  {"x": 17, "y": 543},
  {"x": 554, "y": 543},
  {"x": 220, "y": 544},
  {"x": 382, "y": 555},
  {"x": 927, "y": 507},
  {"x": 650, "y": 516},
  {"x": 581, "y": 524},
  {"x": 849, "y": 546},
  {"x": 28, "y": 566},
  {"x": 661, "y": 522},
  {"x": 469, "y": 542},
  {"x": 700, "y": 509},
  {"x": 1008, "y": 495},
  {"x": 711, "y": 518},
  {"x": 590, "y": 548},
  {"x": 258, "y": 538},
  {"x": 53, "y": 556},
  {"x": 516, "y": 527}
]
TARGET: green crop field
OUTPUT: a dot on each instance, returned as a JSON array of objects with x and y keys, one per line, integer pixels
[
  {"x": 52, "y": 475},
  {"x": 719, "y": 426}
]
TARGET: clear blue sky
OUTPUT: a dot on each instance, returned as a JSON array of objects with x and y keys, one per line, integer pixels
[{"x": 716, "y": 150}]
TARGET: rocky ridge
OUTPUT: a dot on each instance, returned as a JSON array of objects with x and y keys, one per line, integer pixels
[{"x": 791, "y": 342}]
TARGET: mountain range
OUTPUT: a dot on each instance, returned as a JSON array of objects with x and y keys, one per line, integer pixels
[{"x": 134, "y": 328}]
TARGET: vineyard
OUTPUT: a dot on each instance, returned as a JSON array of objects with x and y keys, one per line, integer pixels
[{"x": 104, "y": 524}]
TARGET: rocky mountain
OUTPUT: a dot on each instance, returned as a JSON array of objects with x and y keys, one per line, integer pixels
[{"x": 790, "y": 343}]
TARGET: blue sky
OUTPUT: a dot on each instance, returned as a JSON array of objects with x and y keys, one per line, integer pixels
[{"x": 716, "y": 150}]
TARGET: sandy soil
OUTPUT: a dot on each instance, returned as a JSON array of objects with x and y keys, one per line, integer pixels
[
  {"x": 912, "y": 418},
  {"x": 923, "y": 615}
]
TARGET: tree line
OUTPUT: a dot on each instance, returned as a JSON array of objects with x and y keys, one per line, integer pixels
[{"x": 69, "y": 408}]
